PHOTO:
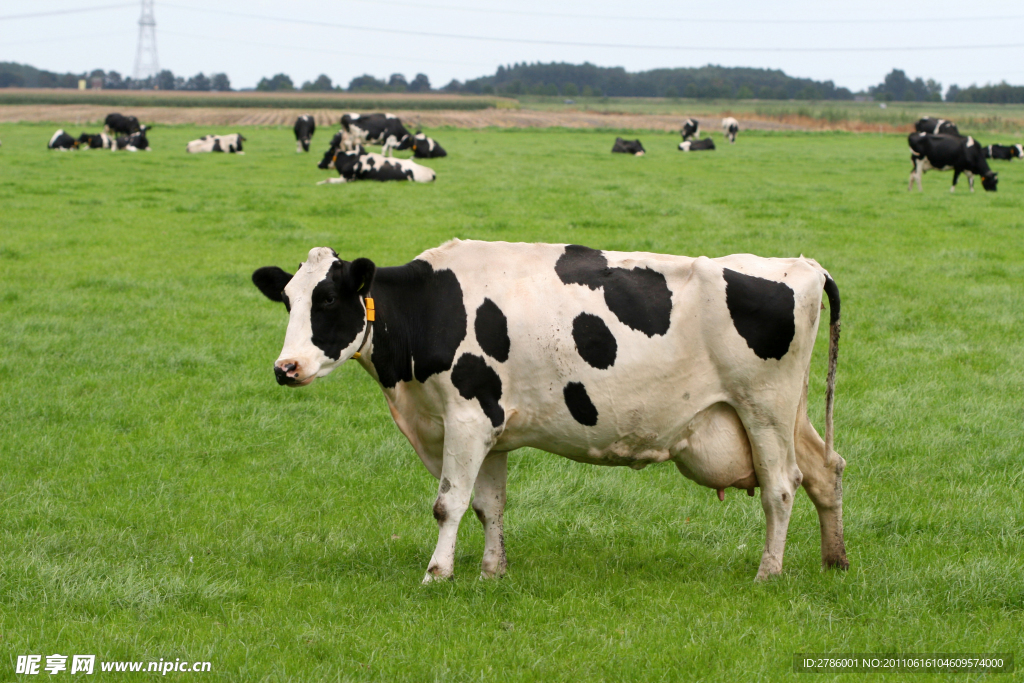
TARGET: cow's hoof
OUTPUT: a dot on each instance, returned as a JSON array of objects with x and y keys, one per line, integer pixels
[{"x": 429, "y": 578}]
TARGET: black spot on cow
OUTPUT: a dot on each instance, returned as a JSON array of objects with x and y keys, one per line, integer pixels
[
  {"x": 440, "y": 513},
  {"x": 475, "y": 379},
  {"x": 579, "y": 404},
  {"x": 594, "y": 341},
  {"x": 421, "y": 320},
  {"x": 639, "y": 297},
  {"x": 445, "y": 485},
  {"x": 763, "y": 312},
  {"x": 491, "y": 329}
]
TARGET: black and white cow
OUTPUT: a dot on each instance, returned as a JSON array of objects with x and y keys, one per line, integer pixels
[
  {"x": 1003, "y": 152},
  {"x": 633, "y": 147},
  {"x": 62, "y": 141},
  {"x": 359, "y": 165},
  {"x": 730, "y": 126},
  {"x": 926, "y": 124},
  {"x": 603, "y": 357},
  {"x": 949, "y": 152},
  {"x": 125, "y": 125},
  {"x": 232, "y": 144},
  {"x": 691, "y": 129},
  {"x": 133, "y": 142},
  {"x": 426, "y": 148},
  {"x": 696, "y": 145},
  {"x": 385, "y": 130},
  {"x": 305, "y": 126},
  {"x": 100, "y": 141}
]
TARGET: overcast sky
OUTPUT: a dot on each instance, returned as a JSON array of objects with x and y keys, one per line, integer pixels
[{"x": 254, "y": 38}]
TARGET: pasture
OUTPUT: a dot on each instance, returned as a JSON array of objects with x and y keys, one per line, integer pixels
[{"x": 162, "y": 497}]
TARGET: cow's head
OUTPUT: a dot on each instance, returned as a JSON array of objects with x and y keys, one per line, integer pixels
[
  {"x": 327, "y": 318},
  {"x": 989, "y": 181},
  {"x": 405, "y": 142},
  {"x": 1017, "y": 151}
]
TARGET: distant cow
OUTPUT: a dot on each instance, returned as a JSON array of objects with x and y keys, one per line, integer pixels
[
  {"x": 426, "y": 148},
  {"x": 100, "y": 141},
  {"x": 62, "y": 141},
  {"x": 305, "y": 126},
  {"x": 696, "y": 145},
  {"x": 385, "y": 130},
  {"x": 628, "y": 147},
  {"x": 133, "y": 142},
  {"x": 232, "y": 144},
  {"x": 126, "y": 125},
  {"x": 1003, "y": 152},
  {"x": 946, "y": 152},
  {"x": 730, "y": 126},
  {"x": 927, "y": 124},
  {"x": 691, "y": 129},
  {"x": 358, "y": 165}
]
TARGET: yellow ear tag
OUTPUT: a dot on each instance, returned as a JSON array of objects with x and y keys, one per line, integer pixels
[
  {"x": 357, "y": 355},
  {"x": 370, "y": 313}
]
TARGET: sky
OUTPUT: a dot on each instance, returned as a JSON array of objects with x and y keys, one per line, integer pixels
[{"x": 852, "y": 45}]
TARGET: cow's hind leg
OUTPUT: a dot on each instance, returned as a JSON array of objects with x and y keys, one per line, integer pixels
[
  {"x": 467, "y": 441},
  {"x": 823, "y": 481},
  {"x": 489, "y": 506}
]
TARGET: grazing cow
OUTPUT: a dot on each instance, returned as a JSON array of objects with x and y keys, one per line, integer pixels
[
  {"x": 927, "y": 124},
  {"x": 691, "y": 129},
  {"x": 603, "y": 357},
  {"x": 359, "y": 165},
  {"x": 426, "y": 148},
  {"x": 1003, "y": 152},
  {"x": 133, "y": 142},
  {"x": 62, "y": 141},
  {"x": 628, "y": 147},
  {"x": 696, "y": 145},
  {"x": 101, "y": 141},
  {"x": 305, "y": 126},
  {"x": 945, "y": 152},
  {"x": 232, "y": 144},
  {"x": 376, "y": 129},
  {"x": 730, "y": 126},
  {"x": 126, "y": 125}
]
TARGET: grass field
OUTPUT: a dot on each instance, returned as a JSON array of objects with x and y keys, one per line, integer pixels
[{"x": 162, "y": 497}]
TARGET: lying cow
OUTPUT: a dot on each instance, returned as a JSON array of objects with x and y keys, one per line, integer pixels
[
  {"x": 927, "y": 124},
  {"x": 696, "y": 145},
  {"x": 628, "y": 147},
  {"x": 603, "y": 357},
  {"x": 305, "y": 126},
  {"x": 232, "y": 144},
  {"x": 100, "y": 141},
  {"x": 730, "y": 126},
  {"x": 62, "y": 141},
  {"x": 125, "y": 125},
  {"x": 949, "y": 152},
  {"x": 359, "y": 165},
  {"x": 426, "y": 148},
  {"x": 385, "y": 130},
  {"x": 691, "y": 129},
  {"x": 133, "y": 142},
  {"x": 1003, "y": 152}
]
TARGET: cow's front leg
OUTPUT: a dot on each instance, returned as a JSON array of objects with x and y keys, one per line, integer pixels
[
  {"x": 970, "y": 180},
  {"x": 489, "y": 506},
  {"x": 466, "y": 443},
  {"x": 956, "y": 177}
]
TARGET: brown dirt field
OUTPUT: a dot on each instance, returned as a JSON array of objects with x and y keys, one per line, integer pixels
[{"x": 93, "y": 115}]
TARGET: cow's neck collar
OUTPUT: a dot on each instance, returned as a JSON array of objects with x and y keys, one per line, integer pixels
[{"x": 371, "y": 315}]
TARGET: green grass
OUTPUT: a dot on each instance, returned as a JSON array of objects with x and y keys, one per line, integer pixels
[{"x": 162, "y": 497}]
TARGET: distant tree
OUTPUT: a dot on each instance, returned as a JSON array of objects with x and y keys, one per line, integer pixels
[
  {"x": 807, "y": 93},
  {"x": 745, "y": 93},
  {"x": 897, "y": 86},
  {"x": 672, "y": 92},
  {"x": 397, "y": 83},
  {"x": 1000, "y": 93},
  {"x": 322, "y": 83},
  {"x": 570, "y": 90},
  {"x": 198, "y": 82},
  {"x": 420, "y": 84},
  {"x": 278, "y": 83},
  {"x": 453, "y": 86},
  {"x": 952, "y": 93},
  {"x": 588, "y": 91},
  {"x": 164, "y": 80},
  {"x": 179, "y": 82},
  {"x": 113, "y": 81},
  {"x": 220, "y": 82},
  {"x": 367, "y": 83}
]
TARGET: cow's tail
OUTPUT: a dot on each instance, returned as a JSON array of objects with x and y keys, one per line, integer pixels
[{"x": 833, "y": 360}]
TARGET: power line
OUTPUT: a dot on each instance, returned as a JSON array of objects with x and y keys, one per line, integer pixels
[
  {"x": 688, "y": 20},
  {"x": 66, "y": 11},
  {"x": 563, "y": 43}
]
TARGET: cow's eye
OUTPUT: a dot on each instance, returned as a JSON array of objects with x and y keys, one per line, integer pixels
[{"x": 328, "y": 301}]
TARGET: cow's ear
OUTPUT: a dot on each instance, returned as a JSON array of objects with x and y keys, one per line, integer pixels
[
  {"x": 360, "y": 275},
  {"x": 271, "y": 280}
]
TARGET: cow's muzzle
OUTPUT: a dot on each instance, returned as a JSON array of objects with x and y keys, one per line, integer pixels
[{"x": 289, "y": 372}]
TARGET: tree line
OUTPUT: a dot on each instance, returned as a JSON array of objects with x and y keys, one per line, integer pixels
[{"x": 13, "y": 75}]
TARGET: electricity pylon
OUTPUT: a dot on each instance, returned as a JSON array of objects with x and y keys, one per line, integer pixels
[{"x": 146, "y": 62}]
